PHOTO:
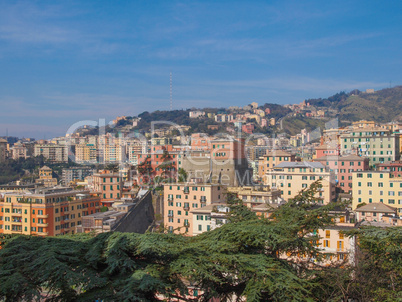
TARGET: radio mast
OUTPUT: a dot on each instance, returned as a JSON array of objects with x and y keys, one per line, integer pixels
[{"x": 171, "y": 98}]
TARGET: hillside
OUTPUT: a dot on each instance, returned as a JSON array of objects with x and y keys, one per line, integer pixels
[{"x": 381, "y": 106}]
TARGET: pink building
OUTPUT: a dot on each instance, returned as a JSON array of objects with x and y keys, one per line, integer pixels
[
  {"x": 344, "y": 166},
  {"x": 325, "y": 150},
  {"x": 395, "y": 167}
]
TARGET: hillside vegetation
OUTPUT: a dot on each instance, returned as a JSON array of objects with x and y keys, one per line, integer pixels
[{"x": 381, "y": 106}]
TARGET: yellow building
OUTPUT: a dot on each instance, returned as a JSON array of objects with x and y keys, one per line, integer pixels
[
  {"x": 255, "y": 195},
  {"x": 271, "y": 159},
  {"x": 377, "y": 186},
  {"x": 181, "y": 198},
  {"x": 46, "y": 177},
  {"x": 292, "y": 177},
  {"x": 86, "y": 153}
]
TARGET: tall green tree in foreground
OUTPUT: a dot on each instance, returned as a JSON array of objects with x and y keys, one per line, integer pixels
[{"x": 243, "y": 258}]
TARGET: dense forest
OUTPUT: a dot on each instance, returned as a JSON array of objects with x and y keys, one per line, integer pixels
[{"x": 242, "y": 258}]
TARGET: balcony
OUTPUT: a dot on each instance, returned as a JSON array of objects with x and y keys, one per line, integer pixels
[
  {"x": 170, "y": 199},
  {"x": 186, "y": 190},
  {"x": 341, "y": 250},
  {"x": 42, "y": 224},
  {"x": 203, "y": 199},
  {"x": 187, "y": 224},
  {"x": 42, "y": 216},
  {"x": 17, "y": 214},
  {"x": 170, "y": 215},
  {"x": 42, "y": 233},
  {"x": 17, "y": 221},
  {"x": 186, "y": 208}
]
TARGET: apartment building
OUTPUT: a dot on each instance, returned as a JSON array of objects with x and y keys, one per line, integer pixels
[
  {"x": 343, "y": 167},
  {"x": 162, "y": 161},
  {"x": 255, "y": 152},
  {"x": 108, "y": 184},
  {"x": 226, "y": 163},
  {"x": 326, "y": 150},
  {"x": 395, "y": 167},
  {"x": 256, "y": 195},
  {"x": 19, "y": 151},
  {"x": 53, "y": 153},
  {"x": 46, "y": 212},
  {"x": 271, "y": 159},
  {"x": 377, "y": 186},
  {"x": 70, "y": 175},
  {"x": 3, "y": 150},
  {"x": 377, "y": 144},
  {"x": 335, "y": 245},
  {"x": 209, "y": 218},
  {"x": 293, "y": 177},
  {"x": 86, "y": 154},
  {"x": 182, "y": 198},
  {"x": 114, "y": 153}
]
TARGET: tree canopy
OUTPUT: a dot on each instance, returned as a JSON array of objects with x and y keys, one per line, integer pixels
[{"x": 243, "y": 258}]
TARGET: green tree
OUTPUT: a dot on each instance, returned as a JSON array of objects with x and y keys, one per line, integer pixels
[{"x": 243, "y": 258}]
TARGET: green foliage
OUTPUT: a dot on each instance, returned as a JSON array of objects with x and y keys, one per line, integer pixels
[
  {"x": 104, "y": 209},
  {"x": 182, "y": 175},
  {"x": 12, "y": 170},
  {"x": 244, "y": 258},
  {"x": 293, "y": 125}
]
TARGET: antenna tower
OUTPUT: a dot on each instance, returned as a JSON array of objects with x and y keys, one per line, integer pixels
[{"x": 171, "y": 99}]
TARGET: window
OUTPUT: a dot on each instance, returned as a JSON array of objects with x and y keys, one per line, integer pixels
[
  {"x": 327, "y": 234},
  {"x": 200, "y": 227}
]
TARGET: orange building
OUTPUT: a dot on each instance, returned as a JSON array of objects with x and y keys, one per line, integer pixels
[{"x": 47, "y": 212}]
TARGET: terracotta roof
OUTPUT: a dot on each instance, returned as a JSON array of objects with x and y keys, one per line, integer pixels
[{"x": 377, "y": 207}]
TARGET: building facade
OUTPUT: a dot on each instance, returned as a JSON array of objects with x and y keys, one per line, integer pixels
[
  {"x": 293, "y": 177},
  {"x": 343, "y": 167},
  {"x": 377, "y": 144},
  {"x": 377, "y": 186},
  {"x": 46, "y": 212},
  {"x": 181, "y": 198},
  {"x": 53, "y": 153}
]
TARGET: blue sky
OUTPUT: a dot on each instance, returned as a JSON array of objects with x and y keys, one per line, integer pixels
[{"x": 66, "y": 61}]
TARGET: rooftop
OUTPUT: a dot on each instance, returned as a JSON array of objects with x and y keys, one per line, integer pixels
[
  {"x": 377, "y": 207},
  {"x": 303, "y": 164}
]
